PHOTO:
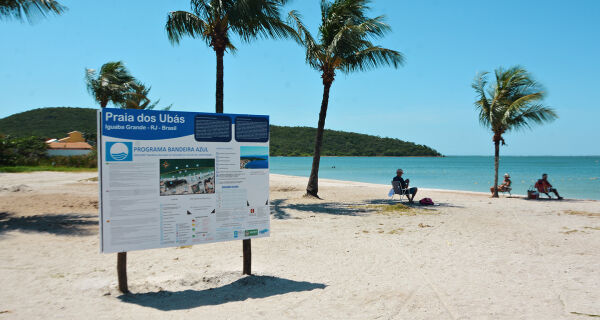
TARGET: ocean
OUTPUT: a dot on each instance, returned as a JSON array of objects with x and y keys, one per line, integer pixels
[{"x": 574, "y": 177}]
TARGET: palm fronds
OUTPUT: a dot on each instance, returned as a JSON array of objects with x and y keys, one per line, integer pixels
[
  {"x": 183, "y": 23},
  {"x": 29, "y": 10},
  {"x": 513, "y": 102},
  {"x": 214, "y": 20},
  {"x": 115, "y": 84},
  {"x": 345, "y": 38},
  {"x": 110, "y": 84}
]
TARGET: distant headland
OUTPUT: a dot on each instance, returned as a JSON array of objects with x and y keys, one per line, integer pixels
[{"x": 285, "y": 141}]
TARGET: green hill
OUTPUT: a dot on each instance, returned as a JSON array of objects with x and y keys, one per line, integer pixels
[
  {"x": 49, "y": 122},
  {"x": 285, "y": 141},
  {"x": 300, "y": 141}
]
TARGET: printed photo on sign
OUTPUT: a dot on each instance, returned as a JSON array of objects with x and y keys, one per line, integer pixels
[
  {"x": 254, "y": 157},
  {"x": 187, "y": 176}
]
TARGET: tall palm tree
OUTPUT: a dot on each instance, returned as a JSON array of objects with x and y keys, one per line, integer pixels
[
  {"x": 512, "y": 103},
  {"x": 29, "y": 9},
  {"x": 111, "y": 84},
  {"x": 343, "y": 45},
  {"x": 215, "y": 21}
]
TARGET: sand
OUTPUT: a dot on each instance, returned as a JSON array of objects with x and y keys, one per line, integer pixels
[{"x": 468, "y": 257}]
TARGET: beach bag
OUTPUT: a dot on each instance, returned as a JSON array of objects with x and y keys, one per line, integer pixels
[
  {"x": 532, "y": 193},
  {"x": 426, "y": 202}
]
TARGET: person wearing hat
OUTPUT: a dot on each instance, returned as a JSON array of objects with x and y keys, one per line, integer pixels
[
  {"x": 505, "y": 186},
  {"x": 404, "y": 185}
]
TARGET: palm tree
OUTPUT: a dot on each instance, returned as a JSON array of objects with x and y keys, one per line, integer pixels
[
  {"x": 343, "y": 45},
  {"x": 111, "y": 84},
  {"x": 29, "y": 9},
  {"x": 137, "y": 97},
  {"x": 512, "y": 103},
  {"x": 214, "y": 21}
]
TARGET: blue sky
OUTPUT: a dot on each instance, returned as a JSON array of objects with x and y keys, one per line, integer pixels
[{"x": 428, "y": 101}]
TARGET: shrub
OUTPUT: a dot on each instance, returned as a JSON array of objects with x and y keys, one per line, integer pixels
[{"x": 27, "y": 151}]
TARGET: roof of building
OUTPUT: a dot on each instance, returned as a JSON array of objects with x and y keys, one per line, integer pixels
[{"x": 69, "y": 145}]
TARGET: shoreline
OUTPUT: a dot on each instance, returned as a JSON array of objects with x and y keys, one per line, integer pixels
[
  {"x": 334, "y": 182},
  {"x": 465, "y": 192}
]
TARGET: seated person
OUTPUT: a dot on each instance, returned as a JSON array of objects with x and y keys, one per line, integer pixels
[
  {"x": 543, "y": 186},
  {"x": 505, "y": 186},
  {"x": 404, "y": 185}
]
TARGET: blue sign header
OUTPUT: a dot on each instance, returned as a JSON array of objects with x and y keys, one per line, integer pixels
[{"x": 135, "y": 124}]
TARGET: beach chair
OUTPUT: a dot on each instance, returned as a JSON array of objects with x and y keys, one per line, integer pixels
[
  {"x": 505, "y": 191},
  {"x": 399, "y": 191}
]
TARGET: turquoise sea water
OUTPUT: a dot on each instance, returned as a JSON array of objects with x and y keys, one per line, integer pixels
[{"x": 574, "y": 177}]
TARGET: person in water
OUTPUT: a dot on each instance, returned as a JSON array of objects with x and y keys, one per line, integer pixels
[{"x": 505, "y": 186}]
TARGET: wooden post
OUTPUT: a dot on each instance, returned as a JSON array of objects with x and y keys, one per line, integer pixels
[
  {"x": 247, "y": 248},
  {"x": 122, "y": 271}
]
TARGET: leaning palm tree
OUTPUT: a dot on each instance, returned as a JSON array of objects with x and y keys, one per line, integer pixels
[
  {"x": 111, "y": 84},
  {"x": 215, "y": 21},
  {"x": 29, "y": 9},
  {"x": 137, "y": 97},
  {"x": 512, "y": 103},
  {"x": 343, "y": 45}
]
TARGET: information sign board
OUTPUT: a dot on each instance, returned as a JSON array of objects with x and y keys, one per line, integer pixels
[{"x": 181, "y": 178}]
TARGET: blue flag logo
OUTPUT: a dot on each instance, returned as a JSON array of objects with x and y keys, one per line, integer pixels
[{"x": 119, "y": 151}]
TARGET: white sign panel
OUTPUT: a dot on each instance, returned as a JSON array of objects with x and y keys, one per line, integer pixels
[{"x": 181, "y": 178}]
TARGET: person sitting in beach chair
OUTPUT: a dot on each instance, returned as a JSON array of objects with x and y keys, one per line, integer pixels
[
  {"x": 401, "y": 186},
  {"x": 543, "y": 186},
  {"x": 505, "y": 186}
]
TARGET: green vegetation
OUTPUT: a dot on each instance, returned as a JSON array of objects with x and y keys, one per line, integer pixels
[
  {"x": 110, "y": 84},
  {"x": 512, "y": 103},
  {"x": 29, "y": 9},
  {"x": 21, "y": 151},
  {"x": 285, "y": 141},
  {"x": 115, "y": 84},
  {"x": 49, "y": 123},
  {"x": 31, "y": 151},
  {"x": 215, "y": 21},
  {"x": 343, "y": 45},
  {"x": 299, "y": 141}
]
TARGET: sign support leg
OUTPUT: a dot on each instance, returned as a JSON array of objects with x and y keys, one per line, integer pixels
[
  {"x": 122, "y": 271},
  {"x": 247, "y": 248}
]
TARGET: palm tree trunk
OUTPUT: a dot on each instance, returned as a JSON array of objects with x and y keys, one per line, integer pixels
[
  {"x": 496, "y": 164},
  {"x": 219, "y": 94},
  {"x": 312, "y": 189}
]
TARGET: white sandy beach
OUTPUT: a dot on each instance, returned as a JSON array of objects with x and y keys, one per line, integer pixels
[{"x": 470, "y": 257}]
